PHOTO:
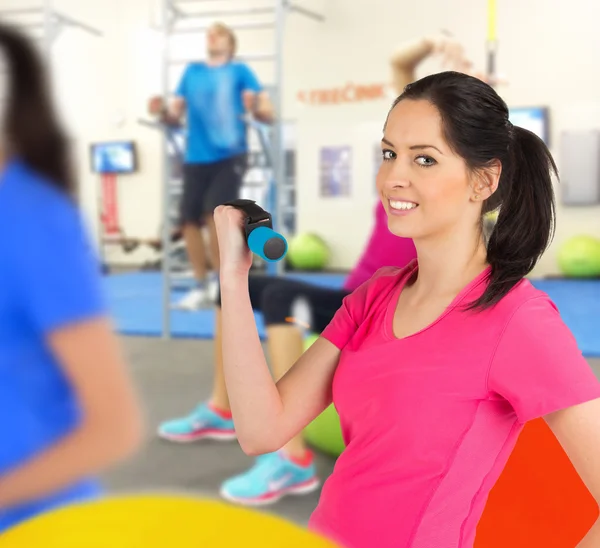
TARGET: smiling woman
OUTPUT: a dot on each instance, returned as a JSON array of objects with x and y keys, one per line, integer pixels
[
  {"x": 472, "y": 163},
  {"x": 433, "y": 368}
]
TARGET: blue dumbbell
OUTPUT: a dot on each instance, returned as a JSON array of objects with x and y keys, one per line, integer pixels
[{"x": 258, "y": 228}]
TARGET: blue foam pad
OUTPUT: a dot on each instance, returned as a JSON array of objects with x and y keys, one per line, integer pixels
[
  {"x": 136, "y": 305},
  {"x": 135, "y": 300},
  {"x": 578, "y": 302}
]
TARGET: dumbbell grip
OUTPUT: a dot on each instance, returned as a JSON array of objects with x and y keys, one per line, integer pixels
[
  {"x": 254, "y": 212},
  {"x": 258, "y": 230}
]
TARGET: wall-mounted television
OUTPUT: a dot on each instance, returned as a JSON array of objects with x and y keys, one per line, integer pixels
[
  {"x": 119, "y": 157},
  {"x": 535, "y": 119}
]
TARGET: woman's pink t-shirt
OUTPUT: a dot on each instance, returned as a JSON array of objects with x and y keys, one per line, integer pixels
[
  {"x": 430, "y": 419},
  {"x": 382, "y": 249}
]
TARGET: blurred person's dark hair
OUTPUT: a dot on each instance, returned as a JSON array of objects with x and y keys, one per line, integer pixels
[{"x": 31, "y": 129}]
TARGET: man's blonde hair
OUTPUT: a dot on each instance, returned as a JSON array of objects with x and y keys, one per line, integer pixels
[{"x": 223, "y": 28}]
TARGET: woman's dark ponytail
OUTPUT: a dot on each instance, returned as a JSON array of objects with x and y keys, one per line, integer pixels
[
  {"x": 526, "y": 220},
  {"x": 31, "y": 128}
]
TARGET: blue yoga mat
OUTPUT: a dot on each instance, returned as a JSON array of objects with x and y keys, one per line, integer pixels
[
  {"x": 136, "y": 304},
  {"x": 578, "y": 302},
  {"x": 135, "y": 300}
]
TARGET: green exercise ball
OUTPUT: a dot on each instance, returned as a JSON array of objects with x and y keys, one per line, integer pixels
[
  {"x": 492, "y": 216},
  {"x": 308, "y": 252},
  {"x": 309, "y": 340},
  {"x": 325, "y": 432},
  {"x": 579, "y": 257}
]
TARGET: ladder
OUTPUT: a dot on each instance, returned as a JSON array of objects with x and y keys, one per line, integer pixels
[
  {"x": 180, "y": 17},
  {"x": 43, "y": 23}
]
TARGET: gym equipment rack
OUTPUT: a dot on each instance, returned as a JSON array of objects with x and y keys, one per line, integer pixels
[{"x": 258, "y": 15}]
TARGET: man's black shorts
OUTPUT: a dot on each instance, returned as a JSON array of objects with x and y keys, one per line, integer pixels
[{"x": 206, "y": 186}]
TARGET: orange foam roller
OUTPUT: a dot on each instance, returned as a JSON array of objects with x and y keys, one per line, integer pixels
[{"x": 539, "y": 499}]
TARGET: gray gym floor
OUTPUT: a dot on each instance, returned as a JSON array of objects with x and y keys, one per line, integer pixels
[{"x": 172, "y": 377}]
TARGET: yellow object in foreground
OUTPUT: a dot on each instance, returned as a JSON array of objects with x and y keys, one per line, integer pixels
[{"x": 158, "y": 521}]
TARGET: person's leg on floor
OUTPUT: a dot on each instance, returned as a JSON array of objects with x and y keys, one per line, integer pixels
[
  {"x": 223, "y": 185},
  {"x": 290, "y": 470},
  {"x": 213, "y": 253},
  {"x": 219, "y": 397},
  {"x": 285, "y": 345},
  {"x": 285, "y": 338},
  {"x": 195, "y": 247},
  {"x": 195, "y": 186},
  {"x": 257, "y": 285},
  {"x": 212, "y": 418}
]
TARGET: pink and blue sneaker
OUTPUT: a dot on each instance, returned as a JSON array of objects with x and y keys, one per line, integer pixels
[
  {"x": 205, "y": 422},
  {"x": 273, "y": 476}
]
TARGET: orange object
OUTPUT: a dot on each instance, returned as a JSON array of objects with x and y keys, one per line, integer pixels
[
  {"x": 539, "y": 499},
  {"x": 350, "y": 93}
]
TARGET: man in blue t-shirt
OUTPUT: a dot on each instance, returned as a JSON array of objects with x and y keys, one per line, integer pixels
[{"x": 215, "y": 95}]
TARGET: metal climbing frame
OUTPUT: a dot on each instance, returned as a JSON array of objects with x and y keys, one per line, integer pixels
[
  {"x": 173, "y": 13},
  {"x": 43, "y": 23}
]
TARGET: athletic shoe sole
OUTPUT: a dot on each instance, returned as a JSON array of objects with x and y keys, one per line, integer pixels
[
  {"x": 271, "y": 498},
  {"x": 221, "y": 435}
]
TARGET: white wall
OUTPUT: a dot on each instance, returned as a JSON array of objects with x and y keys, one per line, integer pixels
[
  {"x": 547, "y": 49},
  {"x": 101, "y": 80},
  {"x": 102, "y": 87}
]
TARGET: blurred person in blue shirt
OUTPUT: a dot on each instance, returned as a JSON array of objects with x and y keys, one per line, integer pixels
[
  {"x": 67, "y": 406},
  {"x": 215, "y": 95}
]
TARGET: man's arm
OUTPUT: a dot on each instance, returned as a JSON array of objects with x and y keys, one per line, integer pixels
[
  {"x": 405, "y": 60},
  {"x": 260, "y": 106},
  {"x": 255, "y": 98},
  {"x": 408, "y": 57},
  {"x": 175, "y": 111},
  {"x": 171, "y": 113},
  {"x": 264, "y": 111}
]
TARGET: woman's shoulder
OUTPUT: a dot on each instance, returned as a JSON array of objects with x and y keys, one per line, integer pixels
[
  {"x": 380, "y": 284},
  {"x": 528, "y": 307},
  {"x": 391, "y": 275}
]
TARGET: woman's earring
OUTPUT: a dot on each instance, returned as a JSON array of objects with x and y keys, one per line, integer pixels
[{"x": 476, "y": 196}]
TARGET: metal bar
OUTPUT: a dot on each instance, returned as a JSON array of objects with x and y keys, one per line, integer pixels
[
  {"x": 25, "y": 26},
  {"x": 227, "y": 13},
  {"x": 276, "y": 136},
  {"x": 48, "y": 29},
  {"x": 75, "y": 23},
  {"x": 171, "y": 6},
  {"x": 306, "y": 12},
  {"x": 246, "y": 58},
  {"x": 235, "y": 26},
  {"x": 491, "y": 60},
  {"x": 22, "y": 11},
  {"x": 195, "y": 1},
  {"x": 492, "y": 41},
  {"x": 166, "y": 198}
]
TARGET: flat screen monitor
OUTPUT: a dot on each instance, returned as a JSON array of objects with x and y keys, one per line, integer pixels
[
  {"x": 535, "y": 119},
  {"x": 114, "y": 157}
]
